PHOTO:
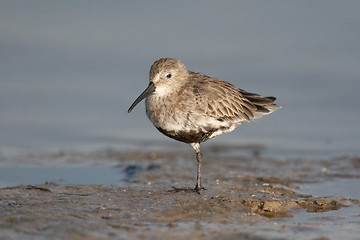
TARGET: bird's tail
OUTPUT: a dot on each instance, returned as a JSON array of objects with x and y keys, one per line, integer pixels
[{"x": 264, "y": 105}]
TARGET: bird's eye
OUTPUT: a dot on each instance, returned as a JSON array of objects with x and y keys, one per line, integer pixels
[{"x": 168, "y": 76}]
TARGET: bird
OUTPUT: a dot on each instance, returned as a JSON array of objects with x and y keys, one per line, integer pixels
[{"x": 192, "y": 107}]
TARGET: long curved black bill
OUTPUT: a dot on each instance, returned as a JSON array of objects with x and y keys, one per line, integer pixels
[{"x": 150, "y": 89}]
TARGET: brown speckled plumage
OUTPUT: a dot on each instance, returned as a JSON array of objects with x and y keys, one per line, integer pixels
[{"x": 192, "y": 107}]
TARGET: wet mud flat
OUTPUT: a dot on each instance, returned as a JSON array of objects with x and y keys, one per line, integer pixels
[{"x": 248, "y": 196}]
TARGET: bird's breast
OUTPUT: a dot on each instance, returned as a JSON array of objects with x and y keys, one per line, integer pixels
[
  {"x": 174, "y": 119},
  {"x": 164, "y": 112}
]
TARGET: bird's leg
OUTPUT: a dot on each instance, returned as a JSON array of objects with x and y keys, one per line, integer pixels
[{"x": 198, "y": 186}]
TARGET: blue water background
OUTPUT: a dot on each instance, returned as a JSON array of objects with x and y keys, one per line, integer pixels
[{"x": 70, "y": 70}]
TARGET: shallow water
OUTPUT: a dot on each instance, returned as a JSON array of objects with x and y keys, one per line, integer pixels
[
  {"x": 342, "y": 223},
  {"x": 340, "y": 187},
  {"x": 69, "y": 174},
  {"x": 33, "y": 175}
]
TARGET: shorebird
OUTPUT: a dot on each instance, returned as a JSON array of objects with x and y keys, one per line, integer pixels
[{"x": 191, "y": 107}]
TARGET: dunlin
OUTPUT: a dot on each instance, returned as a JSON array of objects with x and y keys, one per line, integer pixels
[{"x": 192, "y": 107}]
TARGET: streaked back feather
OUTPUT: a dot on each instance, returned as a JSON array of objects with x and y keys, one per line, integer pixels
[{"x": 225, "y": 102}]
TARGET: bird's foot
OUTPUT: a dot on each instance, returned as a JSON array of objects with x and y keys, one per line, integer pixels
[
  {"x": 175, "y": 189},
  {"x": 198, "y": 188}
]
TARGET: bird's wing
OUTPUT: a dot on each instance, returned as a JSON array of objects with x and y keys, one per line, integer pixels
[{"x": 224, "y": 102}]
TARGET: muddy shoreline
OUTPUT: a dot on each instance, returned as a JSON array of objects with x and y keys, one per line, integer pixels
[{"x": 247, "y": 197}]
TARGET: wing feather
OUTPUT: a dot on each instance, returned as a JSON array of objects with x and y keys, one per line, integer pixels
[{"x": 221, "y": 100}]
